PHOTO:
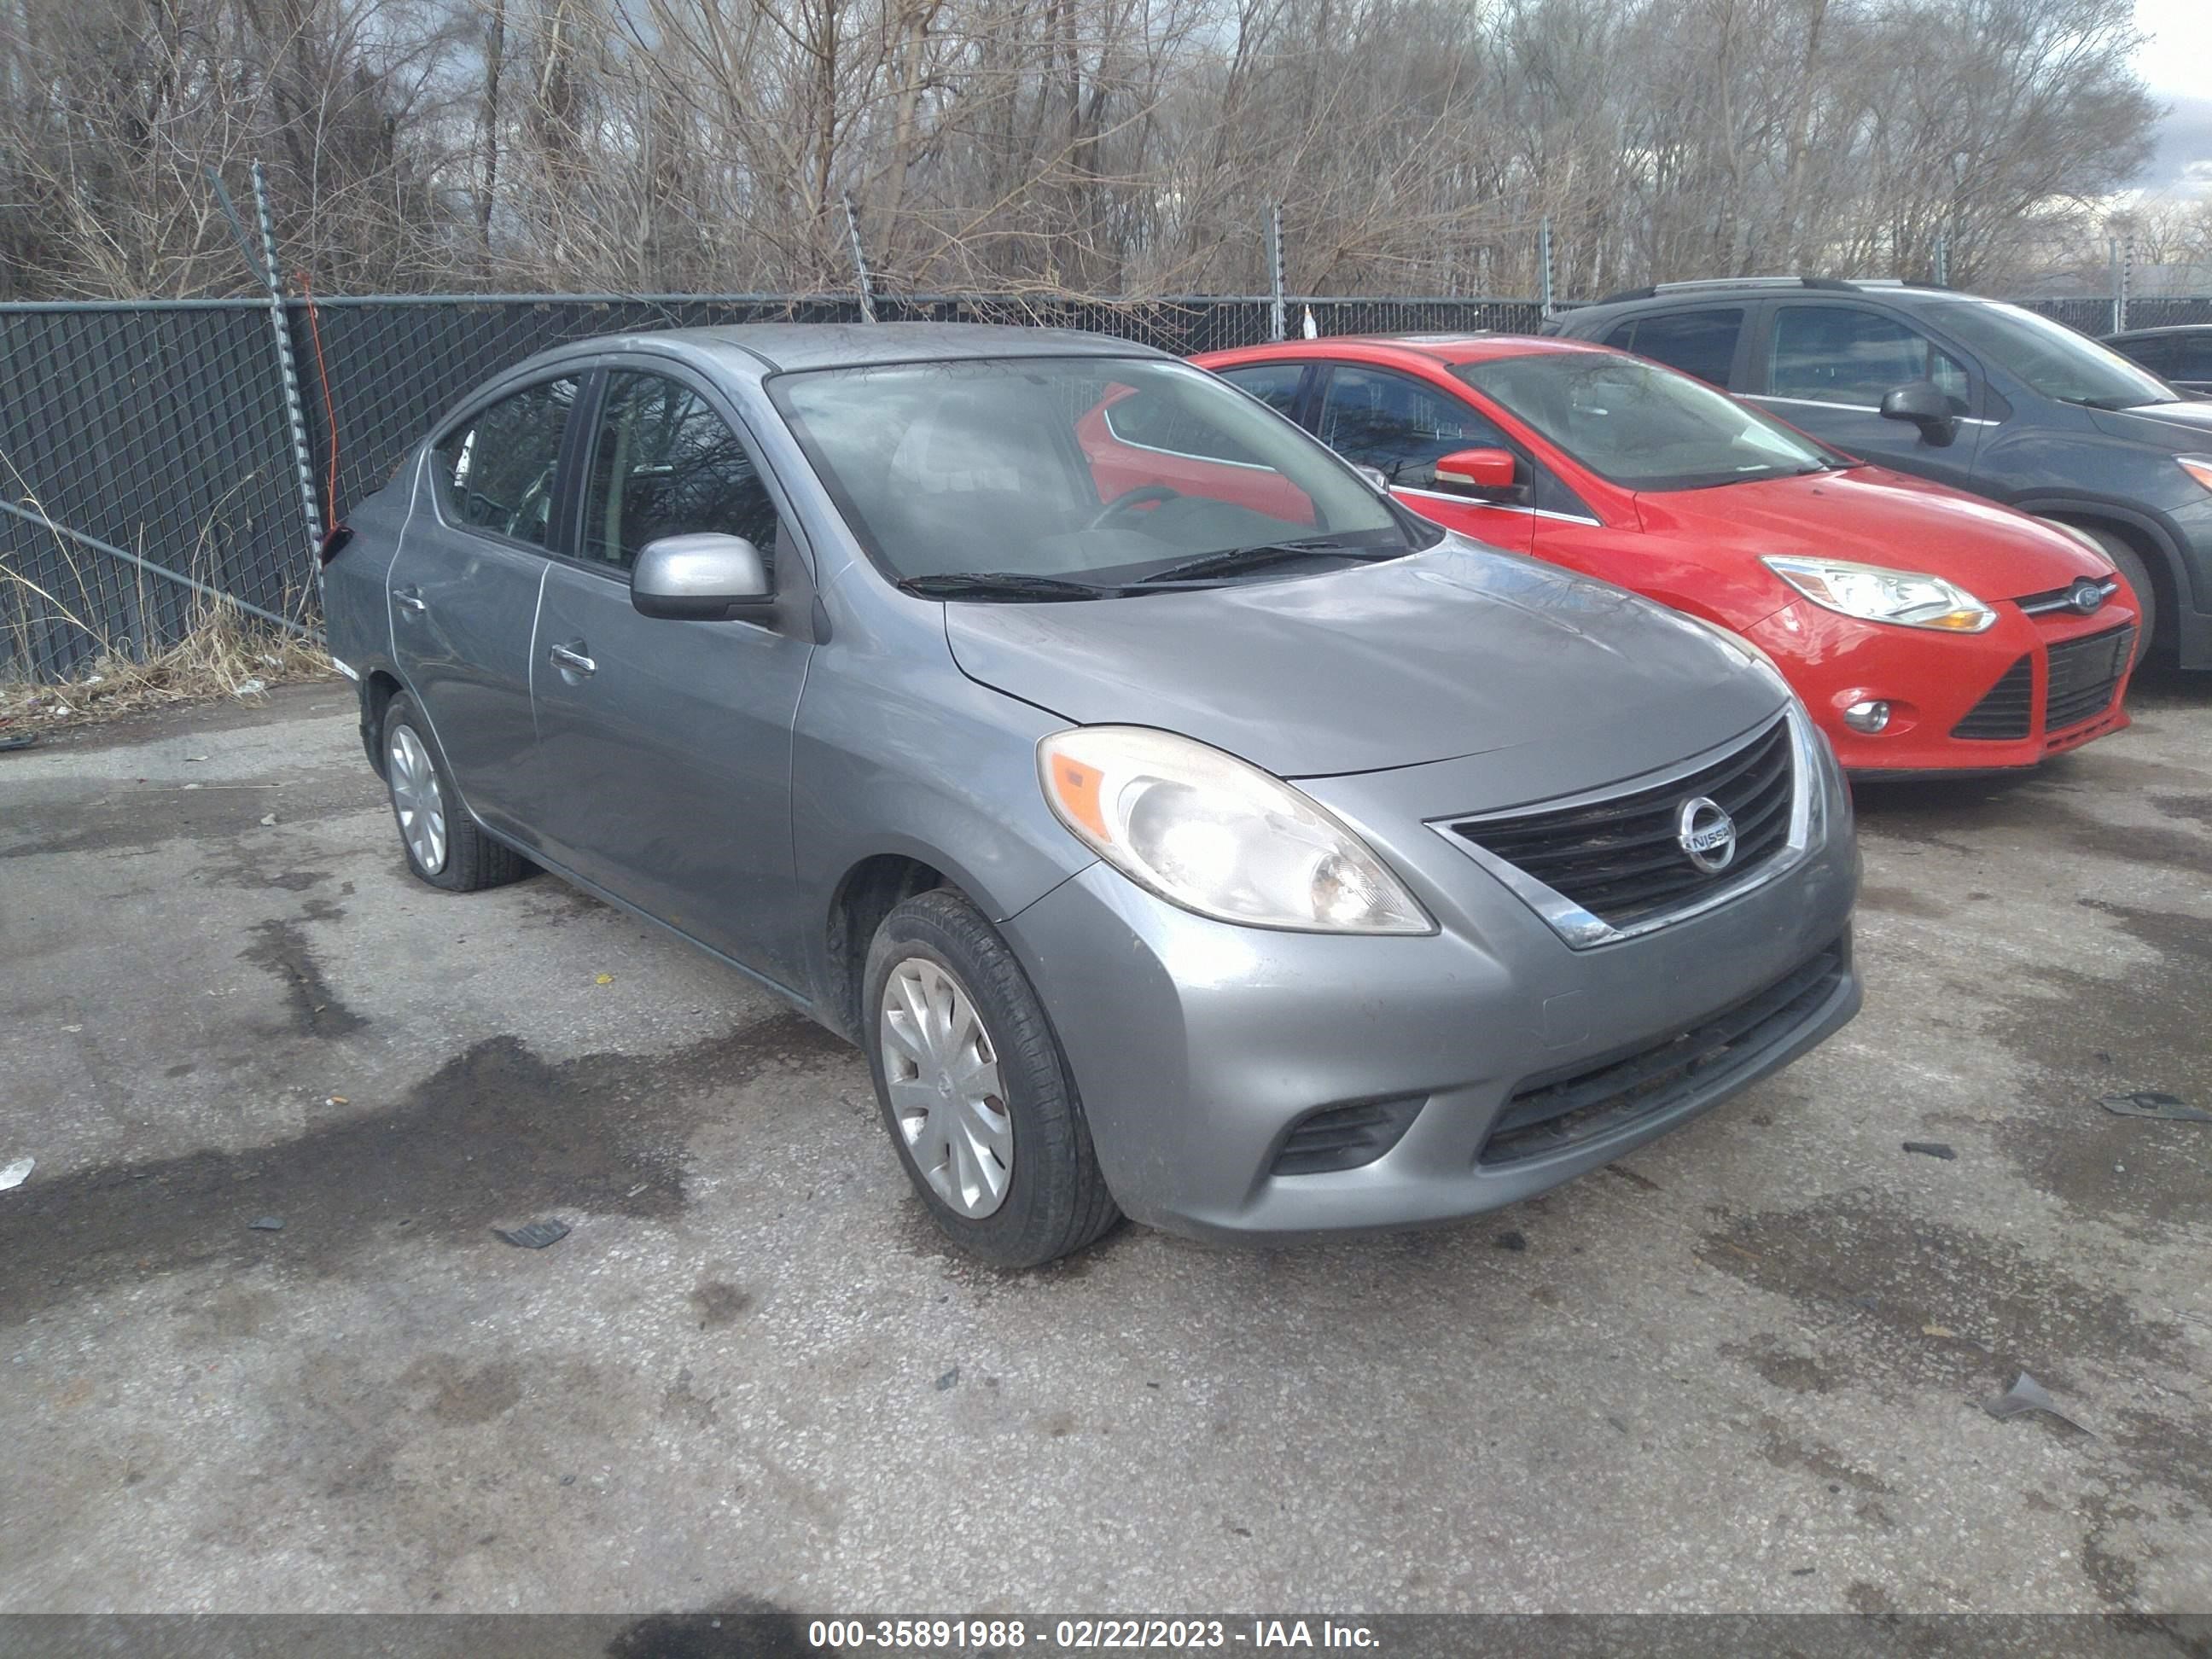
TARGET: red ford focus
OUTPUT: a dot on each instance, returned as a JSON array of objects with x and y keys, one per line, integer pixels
[{"x": 1927, "y": 631}]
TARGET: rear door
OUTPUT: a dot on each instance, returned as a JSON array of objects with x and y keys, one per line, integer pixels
[
  {"x": 1826, "y": 366},
  {"x": 464, "y": 591},
  {"x": 1402, "y": 426},
  {"x": 664, "y": 747}
]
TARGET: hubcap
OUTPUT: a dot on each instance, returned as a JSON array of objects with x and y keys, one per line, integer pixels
[
  {"x": 415, "y": 797},
  {"x": 947, "y": 1097}
]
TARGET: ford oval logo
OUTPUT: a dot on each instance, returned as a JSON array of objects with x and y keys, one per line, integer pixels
[
  {"x": 2086, "y": 595},
  {"x": 1706, "y": 833}
]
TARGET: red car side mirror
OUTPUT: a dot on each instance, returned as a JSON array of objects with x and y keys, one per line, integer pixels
[{"x": 1481, "y": 470}]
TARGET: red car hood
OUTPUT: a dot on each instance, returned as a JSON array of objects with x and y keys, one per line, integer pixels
[{"x": 1871, "y": 516}]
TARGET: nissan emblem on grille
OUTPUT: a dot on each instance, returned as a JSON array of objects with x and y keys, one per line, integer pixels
[
  {"x": 1706, "y": 833},
  {"x": 2086, "y": 596}
]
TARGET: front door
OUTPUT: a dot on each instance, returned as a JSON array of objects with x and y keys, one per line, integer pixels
[
  {"x": 464, "y": 593},
  {"x": 1825, "y": 367},
  {"x": 1401, "y": 426},
  {"x": 664, "y": 748}
]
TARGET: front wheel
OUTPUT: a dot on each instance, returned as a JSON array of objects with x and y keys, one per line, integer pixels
[{"x": 975, "y": 1091}]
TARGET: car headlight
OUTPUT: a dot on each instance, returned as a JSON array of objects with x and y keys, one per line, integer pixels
[
  {"x": 1906, "y": 598},
  {"x": 1216, "y": 835}
]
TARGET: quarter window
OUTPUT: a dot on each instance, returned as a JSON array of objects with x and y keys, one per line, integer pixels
[
  {"x": 664, "y": 464},
  {"x": 495, "y": 473},
  {"x": 1835, "y": 355},
  {"x": 1388, "y": 420},
  {"x": 1699, "y": 342}
]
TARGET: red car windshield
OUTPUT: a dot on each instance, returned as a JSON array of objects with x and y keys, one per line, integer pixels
[{"x": 1642, "y": 427}]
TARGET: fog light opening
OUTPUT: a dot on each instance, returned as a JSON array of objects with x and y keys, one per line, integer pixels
[{"x": 1868, "y": 717}]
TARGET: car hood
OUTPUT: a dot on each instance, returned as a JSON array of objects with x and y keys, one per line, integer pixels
[
  {"x": 1452, "y": 652},
  {"x": 2184, "y": 426},
  {"x": 1874, "y": 516}
]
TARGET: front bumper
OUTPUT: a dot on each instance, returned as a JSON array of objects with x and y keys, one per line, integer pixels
[
  {"x": 1934, "y": 682},
  {"x": 1198, "y": 1047}
]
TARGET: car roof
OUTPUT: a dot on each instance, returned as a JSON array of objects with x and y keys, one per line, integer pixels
[
  {"x": 2161, "y": 329},
  {"x": 1438, "y": 348},
  {"x": 1723, "y": 290},
  {"x": 769, "y": 348}
]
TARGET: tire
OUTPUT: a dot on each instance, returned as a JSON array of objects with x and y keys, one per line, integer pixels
[
  {"x": 2136, "y": 575},
  {"x": 1046, "y": 1197},
  {"x": 442, "y": 843}
]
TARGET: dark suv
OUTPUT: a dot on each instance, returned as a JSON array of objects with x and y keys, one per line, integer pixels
[
  {"x": 1971, "y": 392},
  {"x": 2181, "y": 355}
]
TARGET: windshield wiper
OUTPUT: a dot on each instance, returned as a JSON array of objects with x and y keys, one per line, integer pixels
[
  {"x": 1231, "y": 561},
  {"x": 1004, "y": 584}
]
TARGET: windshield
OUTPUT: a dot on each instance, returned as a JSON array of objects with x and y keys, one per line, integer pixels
[
  {"x": 1101, "y": 470},
  {"x": 1643, "y": 427},
  {"x": 2053, "y": 358}
]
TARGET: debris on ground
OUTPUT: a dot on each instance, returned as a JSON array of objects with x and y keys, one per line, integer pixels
[
  {"x": 1930, "y": 1149},
  {"x": 269, "y": 822},
  {"x": 18, "y": 740},
  {"x": 252, "y": 688},
  {"x": 17, "y": 1173},
  {"x": 1511, "y": 1241},
  {"x": 2149, "y": 1102},
  {"x": 2029, "y": 1395},
  {"x": 604, "y": 978},
  {"x": 535, "y": 1236},
  {"x": 267, "y": 1224},
  {"x": 948, "y": 1379}
]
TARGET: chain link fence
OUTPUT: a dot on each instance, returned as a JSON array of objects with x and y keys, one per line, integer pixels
[{"x": 147, "y": 463}]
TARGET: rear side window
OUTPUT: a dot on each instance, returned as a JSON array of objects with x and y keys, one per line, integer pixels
[
  {"x": 1699, "y": 342},
  {"x": 2192, "y": 357},
  {"x": 1153, "y": 417},
  {"x": 495, "y": 473},
  {"x": 1275, "y": 385},
  {"x": 664, "y": 463},
  {"x": 1836, "y": 355},
  {"x": 1388, "y": 420}
]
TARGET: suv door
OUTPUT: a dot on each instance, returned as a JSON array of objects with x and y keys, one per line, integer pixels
[
  {"x": 464, "y": 588},
  {"x": 663, "y": 748},
  {"x": 1826, "y": 366},
  {"x": 1402, "y": 426}
]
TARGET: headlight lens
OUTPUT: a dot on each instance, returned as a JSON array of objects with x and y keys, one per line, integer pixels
[
  {"x": 1215, "y": 834},
  {"x": 1903, "y": 597},
  {"x": 2198, "y": 467}
]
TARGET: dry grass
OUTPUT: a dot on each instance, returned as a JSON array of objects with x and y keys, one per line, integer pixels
[{"x": 224, "y": 652}]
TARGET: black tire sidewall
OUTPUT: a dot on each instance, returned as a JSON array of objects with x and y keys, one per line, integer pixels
[{"x": 1055, "y": 1198}]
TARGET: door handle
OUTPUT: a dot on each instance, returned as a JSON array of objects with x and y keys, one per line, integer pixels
[
  {"x": 574, "y": 662},
  {"x": 408, "y": 598}
]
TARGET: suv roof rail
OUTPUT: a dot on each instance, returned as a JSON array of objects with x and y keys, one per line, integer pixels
[{"x": 1707, "y": 284}]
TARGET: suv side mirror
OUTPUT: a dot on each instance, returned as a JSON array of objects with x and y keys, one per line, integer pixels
[
  {"x": 703, "y": 577},
  {"x": 1477, "y": 471},
  {"x": 1921, "y": 402}
]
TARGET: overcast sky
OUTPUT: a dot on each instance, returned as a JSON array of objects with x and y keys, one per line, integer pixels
[{"x": 2174, "y": 63}]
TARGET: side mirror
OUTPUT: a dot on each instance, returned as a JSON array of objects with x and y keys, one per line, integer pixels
[
  {"x": 1479, "y": 472},
  {"x": 1927, "y": 408},
  {"x": 704, "y": 577}
]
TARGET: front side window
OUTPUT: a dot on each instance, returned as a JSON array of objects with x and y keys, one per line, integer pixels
[
  {"x": 495, "y": 472},
  {"x": 1275, "y": 385},
  {"x": 1644, "y": 427},
  {"x": 1699, "y": 342},
  {"x": 1836, "y": 354},
  {"x": 1394, "y": 423},
  {"x": 664, "y": 464},
  {"x": 1097, "y": 470}
]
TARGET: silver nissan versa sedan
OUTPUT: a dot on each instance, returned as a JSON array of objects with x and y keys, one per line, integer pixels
[{"x": 1181, "y": 829}]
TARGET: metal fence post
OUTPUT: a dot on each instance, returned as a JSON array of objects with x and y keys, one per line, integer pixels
[
  {"x": 1279, "y": 326},
  {"x": 1942, "y": 260},
  {"x": 1544, "y": 267},
  {"x": 2113, "y": 256},
  {"x": 310, "y": 507},
  {"x": 860, "y": 263},
  {"x": 2127, "y": 282}
]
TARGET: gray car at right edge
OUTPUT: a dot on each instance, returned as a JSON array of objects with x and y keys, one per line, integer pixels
[{"x": 1180, "y": 828}]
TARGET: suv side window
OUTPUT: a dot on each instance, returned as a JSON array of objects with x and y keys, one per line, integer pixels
[
  {"x": 495, "y": 472},
  {"x": 1839, "y": 354},
  {"x": 1699, "y": 342},
  {"x": 1275, "y": 385},
  {"x": 1379, "y": 419},
  {"x": 664, "y": 464}
]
